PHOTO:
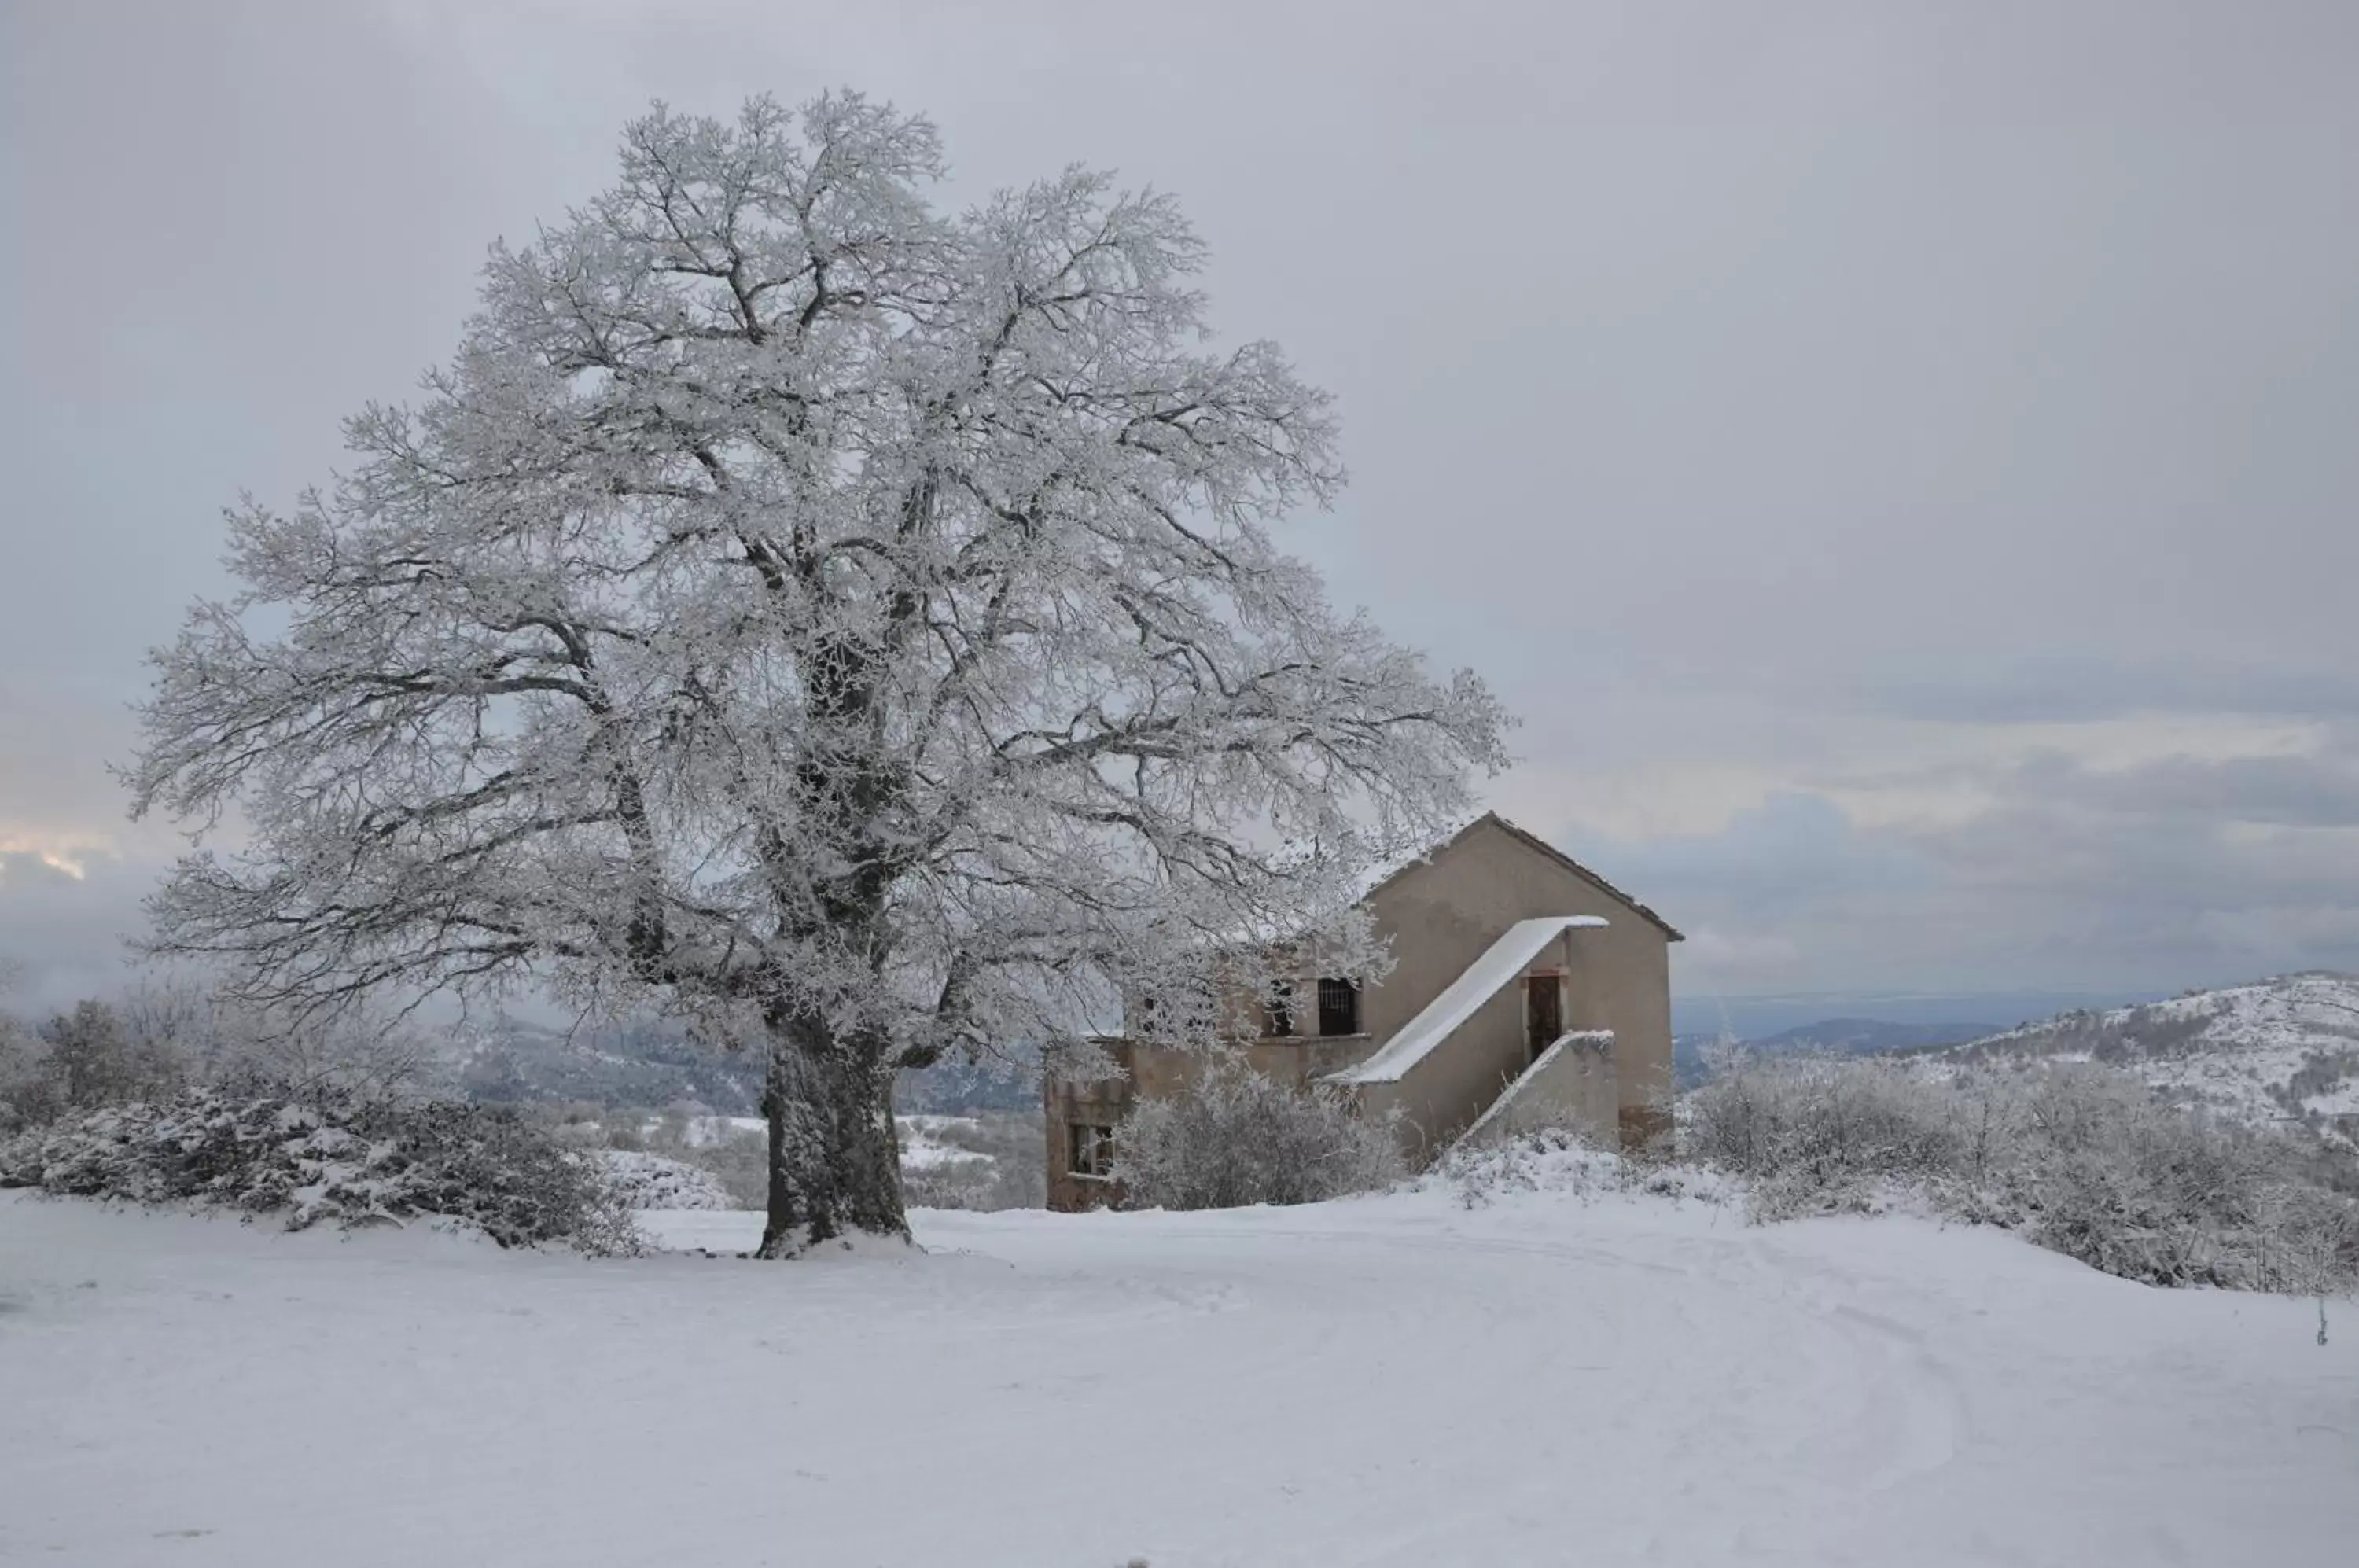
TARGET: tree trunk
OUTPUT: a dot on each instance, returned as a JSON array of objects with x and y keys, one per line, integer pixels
[{"x": 835, "y": 1165}]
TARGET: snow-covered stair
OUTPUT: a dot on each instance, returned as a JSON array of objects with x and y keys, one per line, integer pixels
[
  {"x": 1572, "y": 1084},
  {"x": 1501, "y": 966}
]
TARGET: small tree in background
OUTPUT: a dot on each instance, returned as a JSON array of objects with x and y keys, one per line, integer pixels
[
  {"x": 214, "y": 1034},
  {"x": 26, "y": 1091},
  {"x": 852, "y": 624},
  {"x": 95, "y": 1060}
]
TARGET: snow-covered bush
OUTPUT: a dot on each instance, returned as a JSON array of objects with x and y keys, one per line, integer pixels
[
  {"x": 1235, "y": 1137},
  {"x": 2080, "y": 1158},
  {"x": 1558, "y": 1160},
  {"x": 162, "y": 1035},
  {"x": 328, "y": 1156},
  {"x": 1820, "y": 1132},
  {"x": 640, "y": 1180}
]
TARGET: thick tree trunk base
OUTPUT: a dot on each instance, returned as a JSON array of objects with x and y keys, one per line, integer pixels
[{"x": 835, "y": 1165}]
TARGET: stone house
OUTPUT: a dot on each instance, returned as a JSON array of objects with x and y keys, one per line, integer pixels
[{"x": 1526, "y": 990}]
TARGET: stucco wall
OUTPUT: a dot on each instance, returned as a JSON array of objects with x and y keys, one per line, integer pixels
[
  {"x": 1444, "y": 1091},
  {"x": 1571, "y": 1087},
  {"x": 1443, "y": 913}
]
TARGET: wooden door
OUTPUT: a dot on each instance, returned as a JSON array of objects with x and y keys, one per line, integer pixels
[{"x": 1544, "y": 1011}]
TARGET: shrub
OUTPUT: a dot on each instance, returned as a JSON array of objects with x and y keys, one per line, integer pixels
[
  {"x": 78, "y": 1060},
  {"x": 27, "y": 1086},
  {"x": 329, "y": 1156},
  {"x": 2082, "y": 1158},
  {"x": 1560, "y": 1159},
  {"x": 163, "y": 1035},
  {"x": 641, "y": 1180},
  {"x": 1235, "y": 1137}
]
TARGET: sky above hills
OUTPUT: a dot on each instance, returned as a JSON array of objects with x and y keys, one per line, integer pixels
[{"x": 1896, "y": 457}]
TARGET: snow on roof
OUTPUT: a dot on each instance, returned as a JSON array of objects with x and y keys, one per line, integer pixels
[{"x": 1483, "y": 979}]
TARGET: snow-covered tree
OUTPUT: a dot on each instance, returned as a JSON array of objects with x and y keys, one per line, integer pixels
[{"x": 852, "y": 625}]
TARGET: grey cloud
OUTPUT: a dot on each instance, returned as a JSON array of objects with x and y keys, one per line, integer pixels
[
  {"x": 63, "y": 934},
  {"x": 2048, "y": 888},
  {"x": 1703, "y": 374},
  {"x": 2065, "y": 689},
  {"x": 2285, "y": 791},
  {"x": 1792, "y": 851}
]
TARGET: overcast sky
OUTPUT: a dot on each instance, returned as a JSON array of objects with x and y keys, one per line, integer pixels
[{"x": 1901, "y": 460}]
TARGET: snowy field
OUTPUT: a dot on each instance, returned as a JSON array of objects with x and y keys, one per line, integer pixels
[{"x": 1389, "y": 1382}]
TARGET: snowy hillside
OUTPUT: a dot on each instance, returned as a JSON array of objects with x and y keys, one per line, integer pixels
[
  {"x": 1693, "y": 1055},
  {"x": 1404, "y": 1382},
  {"x": 2282, "y": 1047}
]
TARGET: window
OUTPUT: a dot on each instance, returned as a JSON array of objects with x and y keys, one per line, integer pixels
[
  {"x": 1281, "y": 1010},
  {"x": 1089, "y": 1151},
  {"x": 1338, "y": 1006}
]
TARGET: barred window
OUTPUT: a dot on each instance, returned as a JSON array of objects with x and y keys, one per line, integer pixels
[{"x": 1338, "y": 1006}]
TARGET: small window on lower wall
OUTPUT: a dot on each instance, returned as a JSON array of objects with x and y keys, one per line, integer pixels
[{"x": 1089, "y": 1151}]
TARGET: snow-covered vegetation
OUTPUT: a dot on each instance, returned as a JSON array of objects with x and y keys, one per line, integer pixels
[
  {"x": 1235, "y": 1137},
  {"x": 641, "y": 1180},
  {"x": 2083, "y": 1158},
  {"x": 2278, "y": 1049},
  {"x": 325, "y": 1156},
  {"x": 164, "y": 1034},
  {"x": 1556, "y": 1159},
  {"x": 982, "y": 1160}
]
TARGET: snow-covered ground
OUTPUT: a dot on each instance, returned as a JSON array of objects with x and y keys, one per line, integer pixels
[{"x": 1389, "y": 1382}]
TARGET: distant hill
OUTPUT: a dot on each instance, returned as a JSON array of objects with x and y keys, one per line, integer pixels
[
  {"x": 1863, "y": 1037},
  {"x": 655, "y": 1066},
  {"x": 954, "y": 1087},
  {"x": 648, "y": 1065},
  {"x": 2282, "y": 1047},
  {"x": 1690, "y": 1053}
]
